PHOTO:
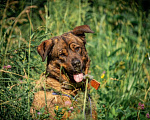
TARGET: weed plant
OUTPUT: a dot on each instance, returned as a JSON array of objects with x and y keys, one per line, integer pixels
[{"x": 119, "y": 51}]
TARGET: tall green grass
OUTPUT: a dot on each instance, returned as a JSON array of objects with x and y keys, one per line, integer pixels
[{"x": 119, "y": 51}]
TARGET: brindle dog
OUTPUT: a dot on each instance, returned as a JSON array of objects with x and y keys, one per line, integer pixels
[{"x": 67, "y": 63}]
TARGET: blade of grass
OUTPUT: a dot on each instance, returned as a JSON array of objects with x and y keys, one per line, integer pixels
[
  {"x": 29, "y": 52},
  {"x": 85, "y": 95}
]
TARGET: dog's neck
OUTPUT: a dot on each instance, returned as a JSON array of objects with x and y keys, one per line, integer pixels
[
  {"x": 47, "y": 83},
  {"x": 53, "y": 71},
  {"x": 64, "y": 87}
]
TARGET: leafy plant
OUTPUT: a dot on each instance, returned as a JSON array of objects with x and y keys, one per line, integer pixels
[{"x": 119, "y": 52}]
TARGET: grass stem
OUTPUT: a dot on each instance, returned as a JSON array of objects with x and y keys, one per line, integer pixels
[{"x": 85, "y": 95}]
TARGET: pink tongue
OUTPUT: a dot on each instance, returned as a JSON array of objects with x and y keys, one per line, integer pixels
[{"x": 78, "y": 77}]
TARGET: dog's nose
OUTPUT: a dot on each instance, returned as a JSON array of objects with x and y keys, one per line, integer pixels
[{"x": 76, "y": 63}]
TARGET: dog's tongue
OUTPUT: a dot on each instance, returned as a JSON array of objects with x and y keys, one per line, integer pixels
[{"x": 78, "y": 77}]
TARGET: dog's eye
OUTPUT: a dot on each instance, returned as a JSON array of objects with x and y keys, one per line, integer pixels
[
  {"x": 63, "y": 52},
  {"x": 77, "y": 49}
]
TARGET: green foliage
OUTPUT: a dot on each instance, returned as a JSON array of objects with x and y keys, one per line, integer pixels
[
  {"x": 120, "y": 46},
  {"x": 59, "y": 113}
]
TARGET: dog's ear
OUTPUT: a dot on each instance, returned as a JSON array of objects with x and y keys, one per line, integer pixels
[
  {"x": 80, "y": 30},
  {"x": 44, "y": 48}
]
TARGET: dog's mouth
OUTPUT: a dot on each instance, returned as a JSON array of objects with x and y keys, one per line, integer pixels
[
  {"x": 78, "y": 77},
  {"x": 74, "y": 75}
]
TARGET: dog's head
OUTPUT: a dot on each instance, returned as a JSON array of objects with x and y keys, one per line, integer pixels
[{"x": 66, "y": 52}]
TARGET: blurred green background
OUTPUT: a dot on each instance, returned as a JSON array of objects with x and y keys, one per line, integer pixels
[{"x": 119, "y": 51}]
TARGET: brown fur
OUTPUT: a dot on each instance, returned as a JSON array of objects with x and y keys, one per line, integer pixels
[{"x": 66, "y": 56}]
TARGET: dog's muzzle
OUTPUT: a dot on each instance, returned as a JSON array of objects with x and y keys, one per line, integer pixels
[
  {"x": 76, "y": 65},
  {"x": 78, "y": 75}
]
